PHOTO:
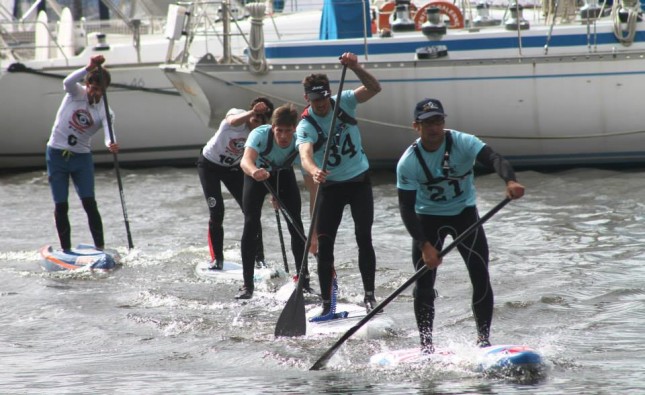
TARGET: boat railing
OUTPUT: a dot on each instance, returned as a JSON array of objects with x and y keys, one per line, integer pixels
[{"x": 20, "y": 37}]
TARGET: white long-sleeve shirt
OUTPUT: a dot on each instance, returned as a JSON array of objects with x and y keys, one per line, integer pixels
[{"x": 77, "y": 120}]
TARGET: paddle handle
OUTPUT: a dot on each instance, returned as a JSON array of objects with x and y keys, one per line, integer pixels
[{"x": 322, "y": 361}]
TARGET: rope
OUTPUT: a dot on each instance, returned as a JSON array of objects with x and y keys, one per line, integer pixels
[
  {"x": 257, "y": 61},
  {"x": 625, "y": 37}
]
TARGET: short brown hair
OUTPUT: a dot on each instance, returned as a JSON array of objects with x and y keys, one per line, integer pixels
[{"x": 286, "y": 114}]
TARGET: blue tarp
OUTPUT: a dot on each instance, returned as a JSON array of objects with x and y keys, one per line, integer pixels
[{"x": 344, "y": 19}]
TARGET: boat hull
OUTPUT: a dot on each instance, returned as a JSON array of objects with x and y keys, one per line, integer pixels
[
  {"x": 560, "y": 110},
  {"x": 153, "y": 124}
]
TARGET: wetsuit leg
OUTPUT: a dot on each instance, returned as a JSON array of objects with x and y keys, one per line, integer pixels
[
  {"x": 252, "y": 198},
  {"x": 210, "y": 177},
  {"x": 424, "y": 296},
  {"x": 332, "y": 203},
  {"x": 82, "y": 172},
  {"x": 475, "y": 253},
  {"x": 286, "y": 186},
  {"x": 234, "y": 181},
  {"x": 62, "y": 226},
  {"x": 94, "y": 221},
  {"x": 361, "y": 202}
]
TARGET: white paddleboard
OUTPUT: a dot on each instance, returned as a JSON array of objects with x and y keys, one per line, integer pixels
[
  {"x": 506, "y": 360},
  {"x": 379, "y": 326},
  {"x": 232, "y": 272}
]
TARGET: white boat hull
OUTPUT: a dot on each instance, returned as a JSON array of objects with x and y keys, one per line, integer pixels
[
  {"x": 153, "y": 124},
  {"x": 553, "y": 110}
]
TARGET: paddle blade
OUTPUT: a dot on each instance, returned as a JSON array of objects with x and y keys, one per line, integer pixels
[{"x": 292, "y": 321}]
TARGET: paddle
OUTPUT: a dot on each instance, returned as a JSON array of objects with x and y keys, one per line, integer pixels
[
  {"x": 283, "y": 209},
  {"x": 322, "y": 361},
  {"x": 284, "y": 251},
  {"x": 292, "y": 320},
  {"x": 116, "y": 162}
]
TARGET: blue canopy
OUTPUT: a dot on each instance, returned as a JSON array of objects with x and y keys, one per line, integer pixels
[{"x": 345, "y": 19}]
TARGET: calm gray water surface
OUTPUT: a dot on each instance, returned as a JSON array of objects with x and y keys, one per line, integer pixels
[{"x": 566, "y": 267}]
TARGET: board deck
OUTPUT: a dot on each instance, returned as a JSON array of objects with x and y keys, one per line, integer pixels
[
  {"x": 506, "y": 360},
  {"x": 83, "y": 256},
  {"x": 233, "y": 272}
]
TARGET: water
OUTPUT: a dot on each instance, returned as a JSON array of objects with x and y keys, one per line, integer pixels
[{"x": 566, "y": 264}]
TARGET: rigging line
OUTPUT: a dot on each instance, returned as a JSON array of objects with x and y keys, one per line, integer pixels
[{"x": 19, "y": 67}]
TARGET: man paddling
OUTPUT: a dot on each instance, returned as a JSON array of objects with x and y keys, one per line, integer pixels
[
  {"x": 347, "y": 180},
  {"x": 437, "y": 198},
  {"x": 219, "y": 163},
  {"x": 81, "y": 114},
  {"x": 269, "y": 154}
]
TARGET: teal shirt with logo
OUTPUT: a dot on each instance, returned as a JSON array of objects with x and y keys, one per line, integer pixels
[
  {"x": 449, "y": 196},
  {"x": 346, "y": 157}
]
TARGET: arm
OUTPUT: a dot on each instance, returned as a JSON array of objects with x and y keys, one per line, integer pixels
[
  {"x": 307, "y": 160},
  {"x": 112, "y": 146},
  {"x": 370, "y": 85},
  {"x": 492, "y": 160},
  {"x": 249, "y": 168},
  {"x": 407, "y": 201},
  {"x": 259, "y": 108}
]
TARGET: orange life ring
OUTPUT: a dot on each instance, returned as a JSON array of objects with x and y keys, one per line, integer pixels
[
  {"x": 450, "y": 10},
  {"x": 388, "y": 9}
]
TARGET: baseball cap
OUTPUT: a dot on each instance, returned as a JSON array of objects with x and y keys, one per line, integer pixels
[
  {"x": 318, "y": 92},
  {"x": 427, "y": 108}
]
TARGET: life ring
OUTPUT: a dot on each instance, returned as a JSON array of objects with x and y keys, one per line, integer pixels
[
  {"x": 388, "y": 9},
  {"x": 450, "y": 10}
]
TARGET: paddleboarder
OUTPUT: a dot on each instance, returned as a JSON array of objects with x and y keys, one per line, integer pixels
[
  {"x": 81, "y": 114},
  {"x": 269, "y": 154},
  {"x": 345, "y": 181},
  {"x": 219, "y": 163},
  {"x": 437, "y": 198}
]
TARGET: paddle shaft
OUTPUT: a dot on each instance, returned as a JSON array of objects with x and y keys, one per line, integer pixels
[
  {"x": 116, "y": 163},
  {"x": 283, "y": 210},
  {"x": 322, "y": 361},
  {"x": 292, "y": 320},
  {"x": 284, "y": 251}
]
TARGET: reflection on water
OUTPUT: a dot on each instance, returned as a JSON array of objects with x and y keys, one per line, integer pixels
[{"x": 566, "y": 265}]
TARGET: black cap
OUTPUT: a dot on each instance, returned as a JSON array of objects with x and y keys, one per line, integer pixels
[{"x": 427, "y": 108}]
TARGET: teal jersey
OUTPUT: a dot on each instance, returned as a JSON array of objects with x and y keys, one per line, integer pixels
[
  {"x": 346, "y": 156},
  {"x": 277, "y": 157},
  {"x": 444, "y": 195}
]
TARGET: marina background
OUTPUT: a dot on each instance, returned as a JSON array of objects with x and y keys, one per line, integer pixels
[{"x": 566, "y": 265}]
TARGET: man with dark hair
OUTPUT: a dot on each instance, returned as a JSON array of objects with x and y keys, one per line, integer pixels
[
  {"x": 437, "y": 198},
  {"x": 346, "y": 179},
  {"x": 219, "y": 163},
  {"x": 80, "y": 115},
  {"x": 269, "y": 154}
]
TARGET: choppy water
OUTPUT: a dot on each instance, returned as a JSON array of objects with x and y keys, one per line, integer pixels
[{"x": 566, "y": 267}]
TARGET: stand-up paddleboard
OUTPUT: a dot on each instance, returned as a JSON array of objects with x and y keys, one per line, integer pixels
[
  {"x": 504, "y": 360},
  {"x": 378, "y": 326},
  {"x": 233, "y": 272},
  {"x": 84, "y": 256}
]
